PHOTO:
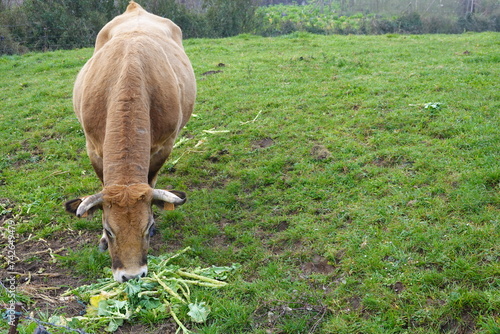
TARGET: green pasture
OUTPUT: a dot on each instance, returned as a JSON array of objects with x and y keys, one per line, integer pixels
[{"x": 355, "y": 179}]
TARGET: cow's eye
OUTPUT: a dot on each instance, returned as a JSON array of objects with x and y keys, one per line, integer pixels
[
  {"x": 109, "y": 234},
  {"x": 151, "y": 230}
]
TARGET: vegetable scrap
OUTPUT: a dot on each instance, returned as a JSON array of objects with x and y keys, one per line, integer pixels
[{"x": 165, "y": 292}]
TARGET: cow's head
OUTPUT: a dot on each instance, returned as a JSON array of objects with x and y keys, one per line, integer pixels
[{"x": 128, "y": 223}]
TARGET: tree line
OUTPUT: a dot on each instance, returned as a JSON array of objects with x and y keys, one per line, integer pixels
[
  {"x": 65, "y": 24},
  {"x": 32, "y": 25}
]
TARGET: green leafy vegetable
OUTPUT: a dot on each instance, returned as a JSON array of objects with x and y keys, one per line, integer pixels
[
  {"x": 164, "y": 292},
  {"x": 198, "y": 312}
]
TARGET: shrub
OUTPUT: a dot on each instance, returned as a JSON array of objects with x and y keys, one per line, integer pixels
[
  {"x": 410, "y": 23},
  {"x": 43, "y": 25},
  {"x": 229, "y": 18},
  {"x": 382, "y": 26},
  {"x": 193, "y": 24},
  {"x": 495, "y": 22},
  {"x": 13, "y": 26},
  {"x": 7, "y": 43},
  {"x": 474, "y": 22},
  {"x": 439, "y": 25}
]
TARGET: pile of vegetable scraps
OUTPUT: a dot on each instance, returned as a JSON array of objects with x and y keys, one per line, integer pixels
[{"x": 164, "y": 293}]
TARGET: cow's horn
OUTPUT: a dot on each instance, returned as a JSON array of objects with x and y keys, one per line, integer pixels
[
  {"x": 88, "y": 203},
  {"x": 167, "y": 196}
]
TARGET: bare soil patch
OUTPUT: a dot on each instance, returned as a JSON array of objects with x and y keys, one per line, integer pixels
[
  {"x": 262, "y": 143},
  {"x": 38, "y": 274},
  {"x": 164, "y": 328}
]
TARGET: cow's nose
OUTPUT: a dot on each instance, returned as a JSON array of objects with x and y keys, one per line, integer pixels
[
  {"x": 122, "y": 275},
  {"x": 129, "y": 277}
]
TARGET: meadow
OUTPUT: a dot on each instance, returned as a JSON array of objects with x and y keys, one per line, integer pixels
[{"x": 355, "y": 179}]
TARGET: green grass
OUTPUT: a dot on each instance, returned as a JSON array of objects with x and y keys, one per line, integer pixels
[{"x": 351, "y": 207}]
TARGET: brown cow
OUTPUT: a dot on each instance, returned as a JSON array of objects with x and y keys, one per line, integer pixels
[{"x": 132, "y": 98}]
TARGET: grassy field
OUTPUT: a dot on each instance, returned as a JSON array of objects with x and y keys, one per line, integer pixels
[{"x": 356, "y": 179}]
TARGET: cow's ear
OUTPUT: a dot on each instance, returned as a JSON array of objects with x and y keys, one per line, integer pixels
[
  {"x": 167, "y": 205},
  {"x": 73, "y": 205}
]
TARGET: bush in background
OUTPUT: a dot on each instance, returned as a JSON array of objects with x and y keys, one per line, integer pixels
[
  {"x": 439, "y": 25},
  {"x": 410, "y": 23},
  {"x": 55, "y": 24},
  {"x": 8, "y": 45},
  {"x": 229, "y": 18},
  {"x": 474, "y": 22},
  {"x": 192, "y": 23},
  {"x": 12, "y": 30}
]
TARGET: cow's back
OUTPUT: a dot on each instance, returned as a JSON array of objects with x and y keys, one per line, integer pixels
[
  {"x": 137, "y": 19},
  {"x": 139, "y": 63}
]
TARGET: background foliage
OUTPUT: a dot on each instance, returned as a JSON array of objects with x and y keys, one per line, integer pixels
[{"x": 66, "y": 24}]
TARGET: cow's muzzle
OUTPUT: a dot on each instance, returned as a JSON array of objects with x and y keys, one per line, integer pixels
[{"x": 123, "y": 275}]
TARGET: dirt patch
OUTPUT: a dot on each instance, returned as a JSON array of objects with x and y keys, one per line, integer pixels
[
  {"x": 397, "y": 287},
  {"x": 165, "y": 328},
  {"x": 318, "y": 265},
  {"x": 320, "y": 152},
  {"x": 465, "y": 324},
  {"x": 32, "y": 265},
  {"x": 216, "y": 157},
  {"x": 262, "y": 143},
  {"x": 282, "y": 226},
  {"x": 354, "y": 303},
  {"x": 392, "y": 161},
  {"x": 272, "y": 315},
  {"x": 38, "y": 274},
  {"x": 211, "y": 72}
]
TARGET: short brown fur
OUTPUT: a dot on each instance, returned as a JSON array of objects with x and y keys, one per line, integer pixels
[
  {"x": 132, "y": 98},
  {"x": 127, "y": 196}
]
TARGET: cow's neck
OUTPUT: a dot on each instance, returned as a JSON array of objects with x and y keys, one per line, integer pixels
[{"x": 127, "y": 144}]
